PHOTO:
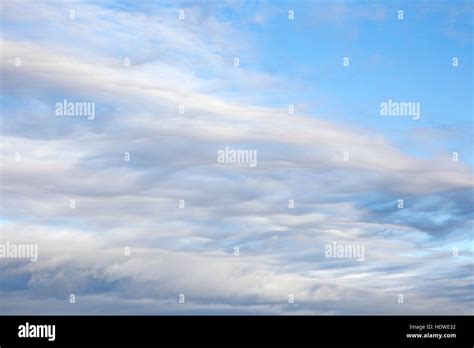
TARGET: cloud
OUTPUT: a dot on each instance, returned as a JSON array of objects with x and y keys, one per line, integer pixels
[{"x": 135, "y": 204}]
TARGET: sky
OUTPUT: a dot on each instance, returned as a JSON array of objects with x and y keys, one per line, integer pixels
[{"x": 133, "y": 213}]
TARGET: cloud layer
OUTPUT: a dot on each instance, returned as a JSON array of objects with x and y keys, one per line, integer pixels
[{"x": 345, "y": 181}]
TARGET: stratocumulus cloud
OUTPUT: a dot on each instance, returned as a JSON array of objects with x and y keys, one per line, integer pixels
[{"x": 130, "y": 208}]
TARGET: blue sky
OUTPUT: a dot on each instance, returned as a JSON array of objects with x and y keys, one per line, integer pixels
[{"x": 190, "y": 250}]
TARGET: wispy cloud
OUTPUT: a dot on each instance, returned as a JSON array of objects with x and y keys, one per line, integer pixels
[{"x": 181, "y": 213}]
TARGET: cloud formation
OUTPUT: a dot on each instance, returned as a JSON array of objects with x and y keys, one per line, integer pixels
[{"x": 345, "y": 181}]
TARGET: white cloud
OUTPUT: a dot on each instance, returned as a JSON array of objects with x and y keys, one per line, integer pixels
[{"x": 173, "y": 157}]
